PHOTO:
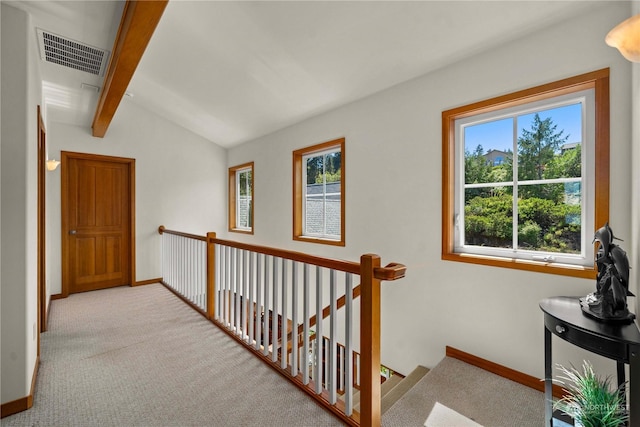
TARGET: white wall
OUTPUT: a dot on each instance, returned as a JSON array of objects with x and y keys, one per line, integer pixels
[
  {"x": 393, "y": 198},
  {"x": 635, "y": 188},
  {"x": 180, "y": 182},
  {"x": 21, "y": 93}
]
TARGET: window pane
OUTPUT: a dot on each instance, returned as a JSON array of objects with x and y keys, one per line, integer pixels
[
  {"x": 488, "y": 152},
  {"x": 314, "y": 212},
  {"x": 547, "y": 142},
  {"x": 322, "y": 195},
  {"x": 332, "y": 164},
  {"x": 244, "y": 200},
  {"x": 245, "y": 183},
  {"x": 315, "y": 168},
  {"x": 550, "y": 224},
  {"x": 488, "y": 220},
  {"x": 243, "y": 212},
  {"x": 333, "y": 206}
]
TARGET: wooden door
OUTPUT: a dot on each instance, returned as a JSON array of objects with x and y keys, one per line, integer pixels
[{"x": 97, "y": 218}]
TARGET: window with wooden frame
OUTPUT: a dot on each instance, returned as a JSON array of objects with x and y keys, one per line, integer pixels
[
  {"x": 318, "y": 193},
  {"x": 525, "y": 177},
  {"x": 241, "y": 197}
]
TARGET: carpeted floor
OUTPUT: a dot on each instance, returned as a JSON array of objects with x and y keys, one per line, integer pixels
[
  {"x": 141, "y": 357},
  {"x": 487, "y": 399}
]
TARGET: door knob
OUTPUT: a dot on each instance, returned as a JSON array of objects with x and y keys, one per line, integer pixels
[{"x": 72, "y": 231}]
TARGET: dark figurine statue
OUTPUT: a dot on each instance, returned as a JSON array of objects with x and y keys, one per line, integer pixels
[{"x": 609, "y": 302}]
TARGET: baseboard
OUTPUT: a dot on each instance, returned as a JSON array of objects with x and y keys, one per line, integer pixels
[
  {"x": 148, "y": 282},
  {"x": 56, "y": 296},
  {"x": 503, "y": 371},
  {"x": 23, "y": 403}
]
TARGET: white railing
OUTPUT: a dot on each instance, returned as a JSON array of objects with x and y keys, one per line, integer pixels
[
  {"x": 298, "y": 312},
  {"x": 251, "y": 286},
  {"x": 184, "y": 267}
]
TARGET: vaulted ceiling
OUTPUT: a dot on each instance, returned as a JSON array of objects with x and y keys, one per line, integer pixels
[{"x": 232, "y": 71}]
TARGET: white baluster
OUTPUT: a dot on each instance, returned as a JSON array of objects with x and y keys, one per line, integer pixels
[
  {"x": 252, "y": 307},
  {"x": 333, "y": 339},
  {"x": 259, "y": 307},
  {"x": 304, "y": 359},
  {"x": 294, "y": 318},
  {"x": 265, "y": 323},
  {"x": 318, "y": 341},
  {"x": 274, "y": 316},
  {"x": 217, "y": 270},
  {"x": 348, "y": 347},
  {"x": 285, "y": 320},
  {"x": 238, "y": 292}
]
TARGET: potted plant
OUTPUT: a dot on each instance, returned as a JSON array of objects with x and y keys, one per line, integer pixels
[{"x": 591, "y": 400}]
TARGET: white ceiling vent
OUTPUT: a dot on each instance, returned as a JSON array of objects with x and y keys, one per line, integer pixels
[{"x": 72, "y": 54}]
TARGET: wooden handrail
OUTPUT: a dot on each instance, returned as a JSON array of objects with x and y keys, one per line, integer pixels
[
  {"x": 393, "y": 271},
  {"x": 163, "y": 230},
  {"x": 335, "y": 264}
]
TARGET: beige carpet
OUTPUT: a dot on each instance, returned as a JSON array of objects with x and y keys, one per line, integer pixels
[
  {"x": 141, "y": 357},
  {"x": 479, "y": 395}
]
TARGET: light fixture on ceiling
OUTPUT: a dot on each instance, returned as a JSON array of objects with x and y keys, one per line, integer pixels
[
  {"x": 626, "y": 38},
  {"x": 52, "y": 164}
]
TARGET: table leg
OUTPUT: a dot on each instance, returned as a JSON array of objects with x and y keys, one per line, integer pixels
[
  {"x": 548, "y": 389},
  {"x": 634, "y": 386},
  {"x": 621, "y": 374}
]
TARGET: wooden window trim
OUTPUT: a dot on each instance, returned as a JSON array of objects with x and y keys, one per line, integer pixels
[
  {"x": 298, "y": 193},
  {"x": 232, "y": 197},
  {"x": 597, "y": 80}
]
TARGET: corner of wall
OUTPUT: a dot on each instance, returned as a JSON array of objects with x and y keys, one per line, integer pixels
[
  {"x": 20, "y": 89},
  {"x": 635, "y": 184}
]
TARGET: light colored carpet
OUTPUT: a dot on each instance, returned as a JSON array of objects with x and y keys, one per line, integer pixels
[
  {"x": 141, "y": 357},
  {"x": 483, "y": 397}
]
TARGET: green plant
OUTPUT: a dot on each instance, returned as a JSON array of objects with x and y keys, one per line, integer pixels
[{"x": 590, "y": 399}]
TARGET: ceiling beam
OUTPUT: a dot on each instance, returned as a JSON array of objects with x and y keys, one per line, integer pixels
[{"x": 139, "y": 20}]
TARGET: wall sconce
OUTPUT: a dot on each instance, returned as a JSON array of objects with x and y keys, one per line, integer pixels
[
  {"x": 52, "y": 164},
  {"x": 626, "y": 38}
]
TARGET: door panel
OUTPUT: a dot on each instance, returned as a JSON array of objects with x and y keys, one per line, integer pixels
[{"x": 98, "y": 226}]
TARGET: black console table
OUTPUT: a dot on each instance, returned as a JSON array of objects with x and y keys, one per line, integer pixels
[{"x": 621, "y": 342}]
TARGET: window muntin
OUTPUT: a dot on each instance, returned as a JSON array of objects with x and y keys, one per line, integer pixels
[
  {"x": 319, "y": 193},
  {"x": 241, "y": 198},
  {"x": 487, "y": 226}
]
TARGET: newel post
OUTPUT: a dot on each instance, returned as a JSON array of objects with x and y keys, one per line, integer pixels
[
  {"x": 369, "y": 342},
  {"x": 211, "y": 275}
]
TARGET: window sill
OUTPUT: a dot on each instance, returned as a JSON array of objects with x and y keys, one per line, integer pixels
[
  {"x": 240, "y": 230},
  {"x": 320, "y": 240},
  {"x": 528, "y": 265}
]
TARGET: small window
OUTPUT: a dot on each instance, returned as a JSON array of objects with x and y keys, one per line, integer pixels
[
  {"x": 241, "y": 198},
  {"x": 525, "y": 177},
  {"x": 318, "y": 193}
]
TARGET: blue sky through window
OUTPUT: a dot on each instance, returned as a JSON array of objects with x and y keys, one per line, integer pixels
[{"x": 497, "y": 135}]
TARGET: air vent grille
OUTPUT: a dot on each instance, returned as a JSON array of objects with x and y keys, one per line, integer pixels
[{"x": 72, "y": 54}]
